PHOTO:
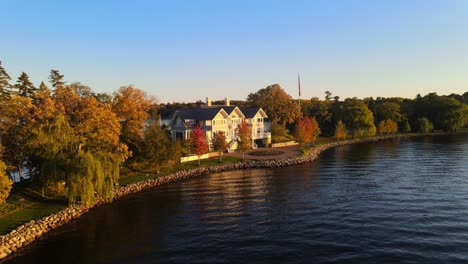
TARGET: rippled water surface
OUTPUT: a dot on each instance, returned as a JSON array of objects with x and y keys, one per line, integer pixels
[{"x": 397, "y": 201}]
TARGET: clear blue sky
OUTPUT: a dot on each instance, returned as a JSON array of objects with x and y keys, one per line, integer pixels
[{"x": 187, "y": 50}]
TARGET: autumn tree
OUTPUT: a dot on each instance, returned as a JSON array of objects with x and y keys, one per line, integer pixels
[
  {"x": 302, "y": 132},
  {"x": 280, "y": 107},
  {"x": 219, "y": 143},
  {"x": 387, "y": 126},
  {"x": 199, "y": 142},
  {"x": 314, "y": 129},
  {"x": 16, "y": 131},
  {"x": 307, "y": 130},
  {"x": 131, "y": 106},
  {"x": 244, "y": 138},
  {"x": 5, "y": 183},
  {"x": 80, "y": 147},
  {"x": 81, "y": 89},
  {"x": 340, "y": 130}
]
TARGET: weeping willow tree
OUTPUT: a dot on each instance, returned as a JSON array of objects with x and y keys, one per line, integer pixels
[
  {"x": 86, "y": 166},
  {"x": 95, "y": 172}
]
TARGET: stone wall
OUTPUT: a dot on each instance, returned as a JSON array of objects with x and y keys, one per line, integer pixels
[{"x": 27, "y": 233}]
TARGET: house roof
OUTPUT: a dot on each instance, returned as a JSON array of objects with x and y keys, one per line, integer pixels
[
  {"x": 250, "y": 112},
  {"x": 209, "y": 113},
  {"x": 197, "y": 113}
]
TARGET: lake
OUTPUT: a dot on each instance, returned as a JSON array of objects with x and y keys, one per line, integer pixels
[{"x": 395, "y": 201}]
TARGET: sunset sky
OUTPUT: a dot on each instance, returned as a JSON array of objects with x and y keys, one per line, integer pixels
[{"x": 187, "y": 50}]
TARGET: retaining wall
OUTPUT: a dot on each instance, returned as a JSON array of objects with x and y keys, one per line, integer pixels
[{"x": 27, "y": 233}]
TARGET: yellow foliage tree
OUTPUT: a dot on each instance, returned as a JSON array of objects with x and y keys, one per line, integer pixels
[
  {"x": 131, "y": 106},
  {"x": 340, "y": 130},
  {"x": 5, "y": 183}
]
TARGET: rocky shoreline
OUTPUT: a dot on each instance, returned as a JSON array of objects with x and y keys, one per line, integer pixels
[{"x": 27, "y": 233}]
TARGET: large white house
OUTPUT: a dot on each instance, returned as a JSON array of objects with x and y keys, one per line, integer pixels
[{"x": 214, "y": 118}]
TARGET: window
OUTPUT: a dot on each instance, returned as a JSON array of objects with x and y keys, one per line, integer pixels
[{"x": 259, "y": 120}]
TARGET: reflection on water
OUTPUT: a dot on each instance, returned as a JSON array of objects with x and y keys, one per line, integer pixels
[{"x": 397, "y": 201}]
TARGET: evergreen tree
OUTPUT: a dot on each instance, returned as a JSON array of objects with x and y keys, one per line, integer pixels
[
  {"x": 24, "y": 86},
  {"x": 4, "y": 82},
  {"x": 56, "y": 79}
]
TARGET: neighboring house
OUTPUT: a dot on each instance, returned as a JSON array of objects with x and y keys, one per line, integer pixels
[{"x": 214, "y": 118}]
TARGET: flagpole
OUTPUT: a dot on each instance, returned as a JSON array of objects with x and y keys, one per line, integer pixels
[{"x": 299, "y": 89}]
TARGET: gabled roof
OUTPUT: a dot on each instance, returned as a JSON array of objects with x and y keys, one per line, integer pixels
[
  {"x": 198, "y": 113},
  {"x": 229, "y": 109},
  {"x": 250, "y": 112}
]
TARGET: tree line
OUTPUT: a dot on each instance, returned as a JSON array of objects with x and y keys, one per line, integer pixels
[
  {"x": 75, "y": 141},
  {"x": 355, "y": 117}
]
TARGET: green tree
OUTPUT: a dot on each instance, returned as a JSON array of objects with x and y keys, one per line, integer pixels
[
  {"x": 219, "y": 144},
  {"x": 404, "y": 126},
  {"x": 244, "y": 138},
  {"x": 358, "y": 118},
  {"x": 340, "y": 131},
  {"x": 24, "y": 86},
  {"x": 157, "y": 144},
  {"x": 279, "y": 106},
  {"x": 199, "y": 142},
  {"x": 321, "y": 110},
  {"x": 388, "y": 110},
  {"x": 423, "y": 125},
  {"x": 4, "y": 82},
  {"x": 56, "y": 79}
]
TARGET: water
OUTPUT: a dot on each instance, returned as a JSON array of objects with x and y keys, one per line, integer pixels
[{"x": 398, "y": 201}]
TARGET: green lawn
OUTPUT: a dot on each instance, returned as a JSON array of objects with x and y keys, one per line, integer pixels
[{"x": 25, "y": 204}]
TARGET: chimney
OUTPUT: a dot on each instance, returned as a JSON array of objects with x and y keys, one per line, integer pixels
[
  {"x": 228, "y": 101},
  {"x": 208, "y": 101}
]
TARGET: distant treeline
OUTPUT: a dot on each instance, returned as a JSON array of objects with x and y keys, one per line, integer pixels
[{"x": 74, "y": 141}]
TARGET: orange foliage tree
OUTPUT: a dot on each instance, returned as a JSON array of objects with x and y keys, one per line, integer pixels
[
  {"x": 131, "y": 106},
  {"x": 244, "y": 138},
  {"x": 307, "y": 130},
  {"x": 199, "y": 142},
  {"x": 219, "y": 143}
]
